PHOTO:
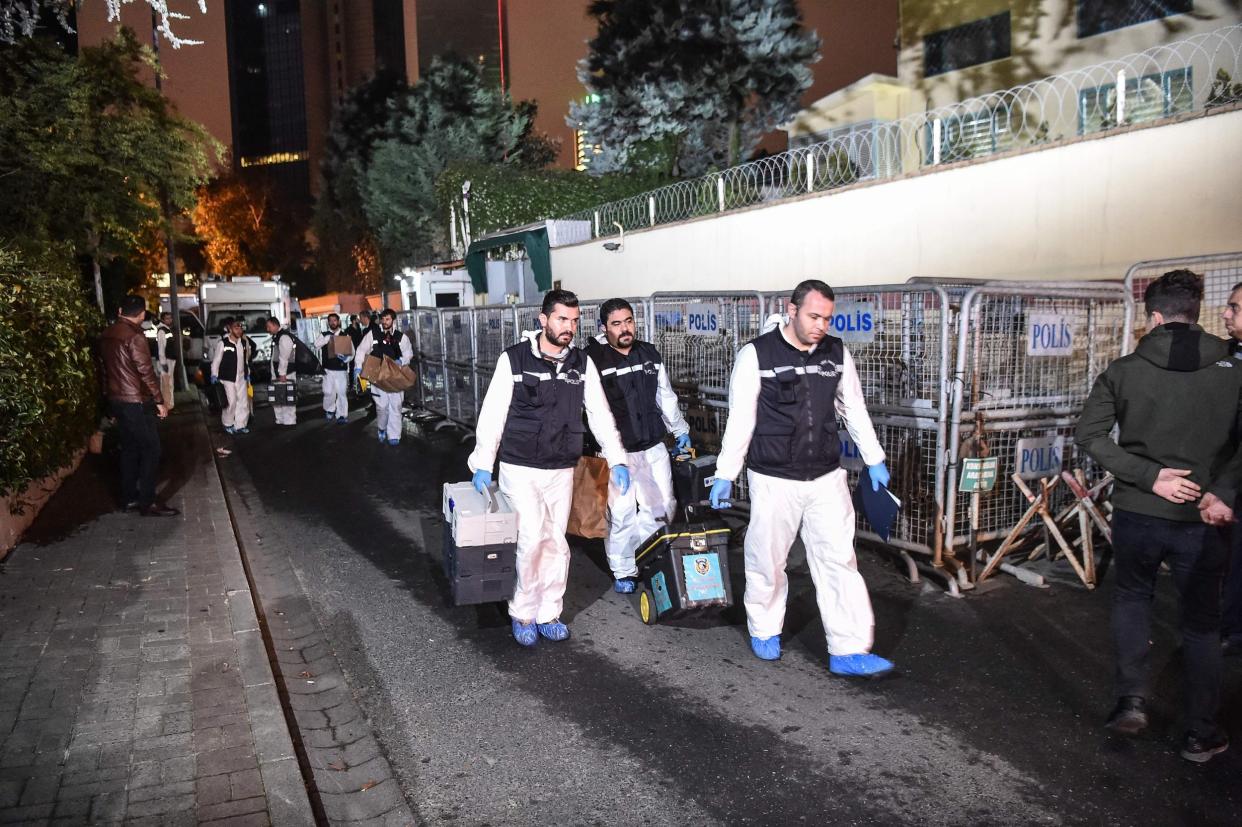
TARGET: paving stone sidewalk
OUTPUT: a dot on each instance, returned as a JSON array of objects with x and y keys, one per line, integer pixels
[{"x": 134, "y": 684}]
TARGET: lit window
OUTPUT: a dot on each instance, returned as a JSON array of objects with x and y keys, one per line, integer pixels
[{"x": 274, "y": 158}]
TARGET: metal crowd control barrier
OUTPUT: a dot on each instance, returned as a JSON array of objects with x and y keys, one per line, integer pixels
[
  {"x": 1027, "y": 356},
  {"x": 1220, "y": 273}
]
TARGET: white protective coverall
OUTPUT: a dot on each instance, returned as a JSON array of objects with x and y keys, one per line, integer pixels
[
  {"x": 282, "y": 358},
  {"x": 541, "y": 497},
  {"x": 635, "y": 515},
  {"x": 335, "y": 382},
  {"x": 236, "y": 410},
  {"x": 165, "y": 363},
  {"x": 822, "y": 508},
  {"x": 387, "y": 404}
]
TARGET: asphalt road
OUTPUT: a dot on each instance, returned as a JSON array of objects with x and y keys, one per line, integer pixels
[{"x": 994, "y": 717}]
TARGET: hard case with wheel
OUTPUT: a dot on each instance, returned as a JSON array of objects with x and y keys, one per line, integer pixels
[{"x": 684, "y": 568}]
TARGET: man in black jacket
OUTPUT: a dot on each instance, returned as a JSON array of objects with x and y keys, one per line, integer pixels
[{"x": 1176, "y": 402}]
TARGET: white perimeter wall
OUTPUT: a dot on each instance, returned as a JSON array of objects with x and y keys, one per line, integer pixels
[{"x": 1084, "y": 210}]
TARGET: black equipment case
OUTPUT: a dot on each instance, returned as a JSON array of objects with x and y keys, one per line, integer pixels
[
  {"x": 282, "y": 393},
  {"x": 693, "y": 477},
  {"x": 684, "y": 568}
]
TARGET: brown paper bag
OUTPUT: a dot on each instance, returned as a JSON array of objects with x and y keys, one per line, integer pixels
[
  {"x": 588, "y": 513},
  {"x": 387, "y": 375}
]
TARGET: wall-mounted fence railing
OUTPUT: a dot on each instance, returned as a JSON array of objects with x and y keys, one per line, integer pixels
[{"x": 1190, "y": 75}]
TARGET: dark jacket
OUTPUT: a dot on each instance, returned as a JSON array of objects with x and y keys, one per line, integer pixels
[
  {"x": 1177, "y": 402},
  {"x": 126, "y": 360}
]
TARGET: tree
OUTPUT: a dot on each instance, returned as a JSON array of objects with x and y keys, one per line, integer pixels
[
  {"x": 92, "y": 148},
  {"x": 340, "y": 222},
  {"x": 450, "y": 115},
  {"x": 20, "y": 18},
  {"x": 690, "y": 84},
  {"x": 234, "y": 222}
]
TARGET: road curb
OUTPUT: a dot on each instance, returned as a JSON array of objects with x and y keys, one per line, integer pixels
[{"x": 283, "y": 782}]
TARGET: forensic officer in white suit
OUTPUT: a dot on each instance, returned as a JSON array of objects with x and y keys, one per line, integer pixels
[
  {"x": 283, "y": 351},
  {"x": 230, "y": 367},
  {"x": 335, "y": 374},
  {"x": 532, "y": 420},
  {"x": 393, "y": 343},
  {"x": 164, "y": 357},
  {"x": 788, "y": 389},
  {"x": 645, "y": 408}
]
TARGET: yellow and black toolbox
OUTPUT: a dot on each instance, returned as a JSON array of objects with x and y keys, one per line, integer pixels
[{"x": 684, "y": 568}]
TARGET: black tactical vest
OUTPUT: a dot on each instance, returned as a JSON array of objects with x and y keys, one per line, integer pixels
[
  {"x": 230, "y": 361},
  {"x": 387, "y": 344},
  {"x": 544, "y": 428},
  {"x": 795, "y": 434},
  {"x": 333, "y": 363},
  {"x": 631, "y": 384},
  {"x": 290, "y": 368}
]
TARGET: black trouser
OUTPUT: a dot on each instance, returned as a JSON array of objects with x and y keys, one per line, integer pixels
[
  {"x": 1196, "y": 553},
  {"x": 1231, "y": 622},
  {"x": 140, "y": 450}
]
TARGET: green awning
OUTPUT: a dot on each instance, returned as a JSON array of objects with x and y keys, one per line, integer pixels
[{"x": 534, "y": 240}]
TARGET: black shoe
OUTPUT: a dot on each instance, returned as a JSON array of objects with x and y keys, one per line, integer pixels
[
  {"x": 1200, "y": 748},
  {"x": 157, "y": 510},
  {"x": 1129, "y": 716}
]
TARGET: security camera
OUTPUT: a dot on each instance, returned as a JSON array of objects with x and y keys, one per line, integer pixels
[{"x": 612, "y": 246}]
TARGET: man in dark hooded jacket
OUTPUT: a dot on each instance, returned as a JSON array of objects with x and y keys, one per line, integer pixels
[{"x": 1176, "y": 402}]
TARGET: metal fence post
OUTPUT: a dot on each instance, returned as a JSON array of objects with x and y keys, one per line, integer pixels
[
  {"x": 651, "y": 209},
  {"x": 1121, "y": 97},
  {"x": 810, "y": 172},
  {"x": 936, "y": 130},
  {"x": 720, "y": 187}
]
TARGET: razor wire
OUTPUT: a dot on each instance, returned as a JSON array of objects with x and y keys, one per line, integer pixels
[{"x": 1191, "y": 75}]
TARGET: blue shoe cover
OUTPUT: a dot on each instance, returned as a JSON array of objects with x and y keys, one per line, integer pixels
[
  {"x": 341, "y": 420},
  {"x": 554, "y": 630},
  {"x": 383, "y": 437},
  {"x": 859, "y": 666},
  {"x": 525, "y": 633},
  {"x": 394, "y": 442},
  {"x": 243, "y": 430},
  {"x": 228, "y": 429},
  {"x": 327, "y": 415},
  {"x": 766, "y": 648},
  {"x": 624, "y": 585}
]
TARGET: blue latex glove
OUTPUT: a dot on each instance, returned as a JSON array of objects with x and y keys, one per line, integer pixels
[
  {"x": 357, "y": 372},
  {"x": 214, "y": 379},
  {"x": 621, "y": 477},
  {"x": 481, "y": 480},
  {"x": 683, "y": 443},
  {"x": 879, "y": 475},
  {"x": 722, "y": 490},
  {"x": 344, "y": 359}
]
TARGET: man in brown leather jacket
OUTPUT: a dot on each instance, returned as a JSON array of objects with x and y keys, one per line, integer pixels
[{"x": 133, "y": 391}]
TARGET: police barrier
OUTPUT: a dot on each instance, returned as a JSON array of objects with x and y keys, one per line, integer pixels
[
  {"x": 1220, "y": 274},
  {"x": 1010, "y": 369},
  {"x": 1027, "y": 356}
]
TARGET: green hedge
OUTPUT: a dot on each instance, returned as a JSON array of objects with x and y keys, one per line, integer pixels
[
  {"x": 506, "y": 195},
  {"x": 48, "y": 391}
]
